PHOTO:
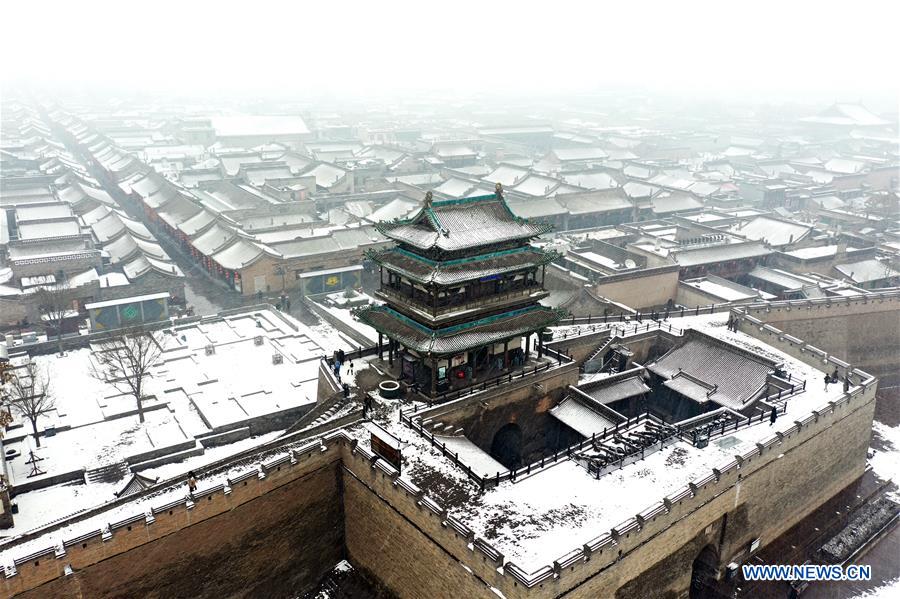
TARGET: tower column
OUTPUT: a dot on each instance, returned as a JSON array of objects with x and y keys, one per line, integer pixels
[{"x": 433, "y": 377}]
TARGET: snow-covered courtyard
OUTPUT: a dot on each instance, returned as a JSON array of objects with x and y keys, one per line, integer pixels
[{"x": 220, "y": 385}]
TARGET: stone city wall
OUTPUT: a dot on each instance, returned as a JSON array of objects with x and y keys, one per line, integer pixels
[
  {"x": 273, "y": 530},
  {"x": 864, "y": 330},
  {"x": 422, "y": 551}
]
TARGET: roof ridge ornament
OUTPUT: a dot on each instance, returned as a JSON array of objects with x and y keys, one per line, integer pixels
[
  {"x": 428, "y": 199},
  {"x": 498, "y": 189}
]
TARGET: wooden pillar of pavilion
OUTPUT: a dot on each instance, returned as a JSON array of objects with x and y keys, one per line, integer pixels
[
  {"x": 390, "y": 351},
  {"x": 380, "y": 337},
  {"x": 433, "y": 377}
]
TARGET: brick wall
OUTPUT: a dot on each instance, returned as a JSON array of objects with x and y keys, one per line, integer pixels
[
  {"x": 271, "y": 536},
  {"x": 864, "y": 330},
  {"x": 483, "y": 414},
  {"x": 646, "y": 289}
]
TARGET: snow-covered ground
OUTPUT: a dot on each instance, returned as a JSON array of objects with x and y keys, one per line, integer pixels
[
  {"x": 890, "y": 590},
  {"x": 336, "y": 305},
  {"x": 192, "y": 393},
  {"x": 886, "y": 461}
]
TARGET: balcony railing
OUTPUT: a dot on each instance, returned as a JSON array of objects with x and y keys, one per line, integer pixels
[{"x": 458, "y": 302}]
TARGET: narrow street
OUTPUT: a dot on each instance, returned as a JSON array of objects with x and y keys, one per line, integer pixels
[{"x": 201, "y": 291}]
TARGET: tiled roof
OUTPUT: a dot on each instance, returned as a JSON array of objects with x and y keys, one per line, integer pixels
[
  {"x": 144, "y": 264},
  {"x": 737, "y": 375},
  {"x": 617, "y": 390},
  {"x": 239, "y": 254},
  {"x": 688, "y": 256},
  {"x": 197, "y": 223},
  {"x": 461, "y": 224},
  {"x": 692, "y": 388},
  {"x": 213, "y": 239},
  {"x": 459, "y": 338},
  {"x": 867, "y": 270},
  {"x": 778, "y": 277},
  {"x": 580, "y": 417},
  {"x": 457, "y": 271}
]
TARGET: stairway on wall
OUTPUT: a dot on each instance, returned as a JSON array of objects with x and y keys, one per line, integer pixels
[{"x": 109, "y": 473}]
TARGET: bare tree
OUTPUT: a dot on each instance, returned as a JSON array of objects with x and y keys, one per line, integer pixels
[
  {"x": 124, "y": 361},
  {"x": 6, "y": 376},
  {"x": 54, "y": 303},
  {"x": 29, "y": 394}
]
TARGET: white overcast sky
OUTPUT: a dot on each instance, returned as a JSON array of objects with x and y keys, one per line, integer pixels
[{"x": 848, "y": 49}]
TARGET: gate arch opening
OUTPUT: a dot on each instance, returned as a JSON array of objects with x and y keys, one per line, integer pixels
[
  {"x": 703, "y": 574},
  {"x": 506, "y": 447}
]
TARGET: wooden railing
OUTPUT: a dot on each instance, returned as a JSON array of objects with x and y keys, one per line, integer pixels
[
  {"x": 702, "y": 432},
  {"x": 488, "y": 480},
  {"x": 424, "y": 302}
]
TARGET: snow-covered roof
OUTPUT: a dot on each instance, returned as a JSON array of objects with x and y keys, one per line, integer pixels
[
  {"x": 866, "y": 271},
  {"x": 239, "y": 254},
  {"x": 581, "y": 418},
  {"x": 774, "y": 231},
  {"x": 507, "y": 175},
  {"x": 326, "y": 174},
  {"x": 579, "y": 154},
  {"x": 594, "y": 180},
  {"x": 719, "y": 253}
]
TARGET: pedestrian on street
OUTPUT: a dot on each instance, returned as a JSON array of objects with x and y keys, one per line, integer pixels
[
  {"x": 773, "y": 416},
  {"x": 192, "y": 482}
]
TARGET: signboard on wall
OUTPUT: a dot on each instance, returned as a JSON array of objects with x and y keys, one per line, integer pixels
[
  {"x": 386, "y": 446},
  {"x": 128, "y": 311}
]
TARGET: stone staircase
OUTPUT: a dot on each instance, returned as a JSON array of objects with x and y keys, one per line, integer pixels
[
  {"x": 594, "y": 362},
  {"x": 320, "y": 413},
  {"x": 109, "y": 473},
  {"x": 327, "y": 414}
]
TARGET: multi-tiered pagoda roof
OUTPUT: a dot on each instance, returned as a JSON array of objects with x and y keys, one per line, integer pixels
[
  {"x": 462, "y": 279},
  {"x": 462, "y": 225},
  {"x": 452, "y": 272},
  {"x": 462, "y": 337}
]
